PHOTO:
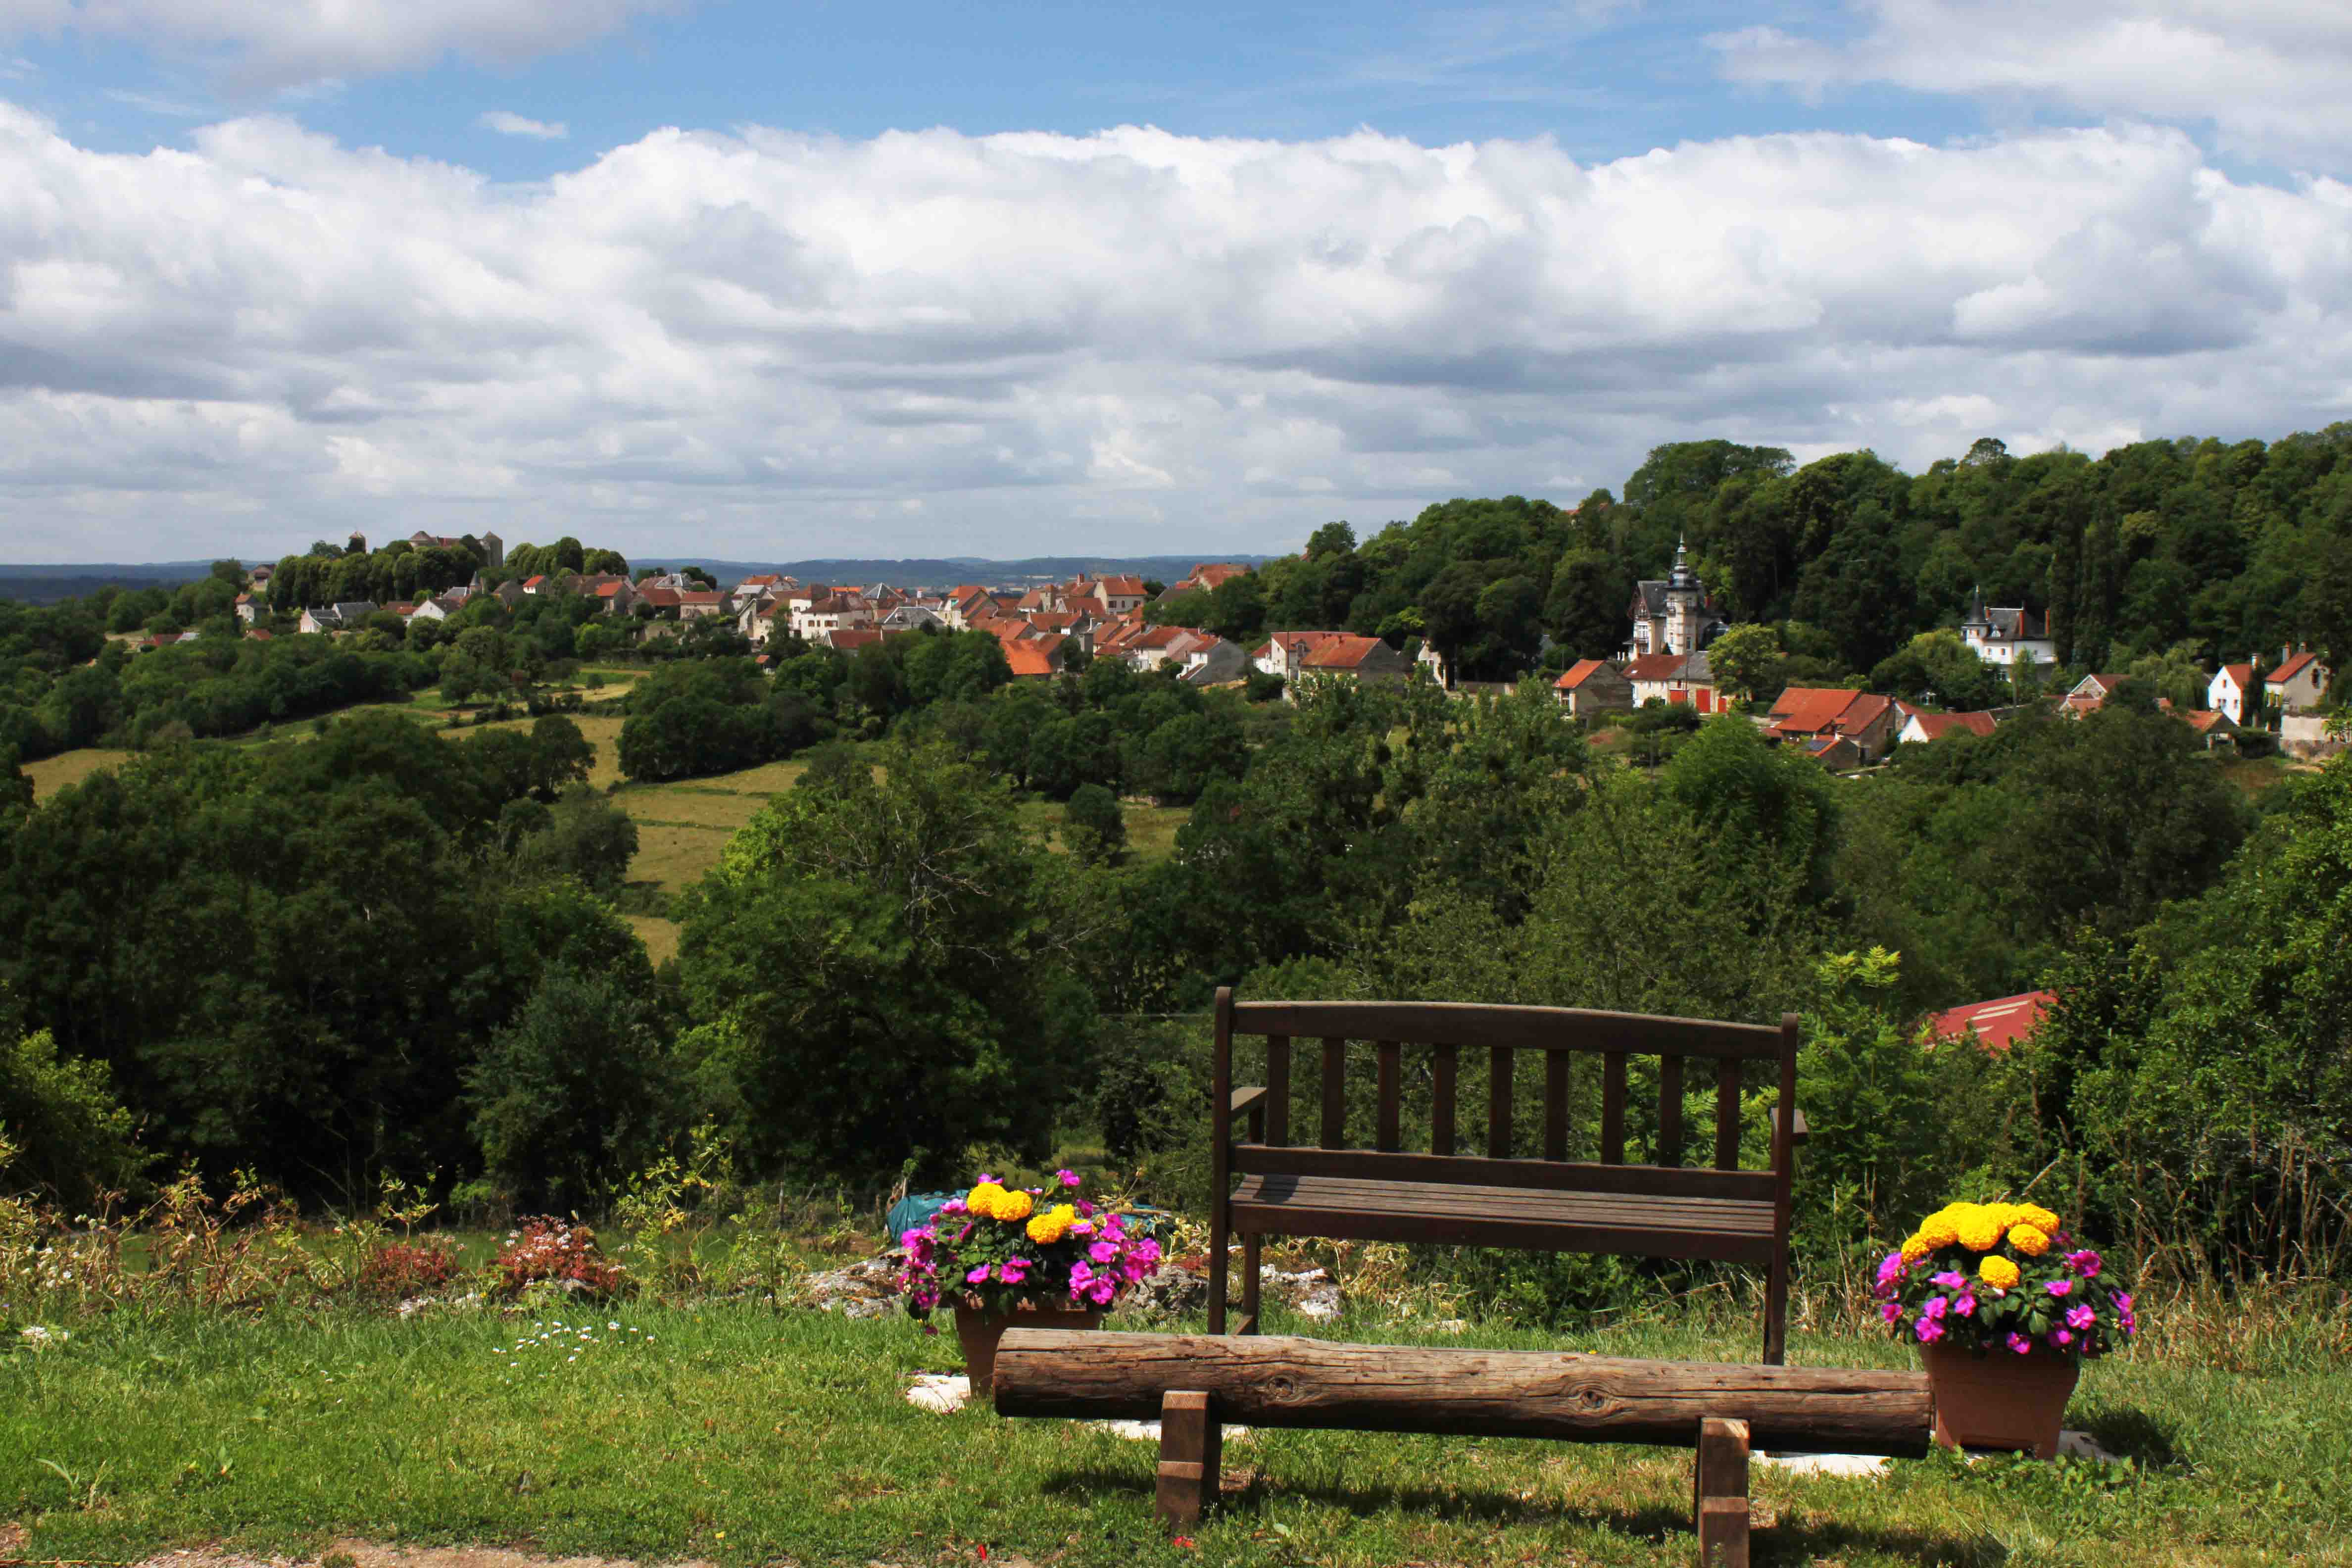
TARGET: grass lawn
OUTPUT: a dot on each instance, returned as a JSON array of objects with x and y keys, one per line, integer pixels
[
  {"x": 1150, "y": 829},
  {"x": 51, "y": 774},
  {"x": 733, "y": 1432},
  {"x": 601, "y": 730}
]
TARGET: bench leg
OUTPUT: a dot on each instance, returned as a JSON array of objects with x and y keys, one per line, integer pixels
[
  {"x": 1192, "y": 1456},
  {"x": 1719, "y": 1493},
  {"x": 1216, "y": 1265},
  {"x": 1252, "y": 1246},
  {"x": 1776, "y": 1310}
]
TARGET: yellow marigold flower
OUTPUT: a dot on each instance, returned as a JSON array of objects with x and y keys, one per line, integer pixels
[
  {"x": 1915, "y": 1248},
  {"x": 1051, "y": 1225},
  {"x": 984, "y": 1199},
  {"x": 2039, "y": 1218},
  {"x": 1014, "y": 1204},
  {"x": 1939, "y": 1231},
  {"x": 1998, "y": 1272},
  {"x": 2032, "y": 1240},
  {"x": 1978, "y": 1230}
]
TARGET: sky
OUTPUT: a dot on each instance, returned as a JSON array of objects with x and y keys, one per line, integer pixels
[{"x": 774, "y": 281}]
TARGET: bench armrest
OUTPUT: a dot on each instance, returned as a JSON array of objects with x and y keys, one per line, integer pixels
[
  {"x": 1800, "y": 1130},
  {"x": 1245, "y": 1100}
]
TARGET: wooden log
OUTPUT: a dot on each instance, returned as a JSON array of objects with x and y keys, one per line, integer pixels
[{"x": 1300, "y": 1383}]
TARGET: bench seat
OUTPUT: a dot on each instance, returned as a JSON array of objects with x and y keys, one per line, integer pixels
[{"x": 1726, "y": 1230}]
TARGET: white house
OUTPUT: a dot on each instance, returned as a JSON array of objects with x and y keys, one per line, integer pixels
[
  {"x": 2005, "y": 636},
  {"x": 2297, "y": 684},
  {"x": 2233, "y": 692}
]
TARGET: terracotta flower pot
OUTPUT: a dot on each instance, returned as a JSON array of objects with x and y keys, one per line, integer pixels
[
  {"x": 978, "y": 1331},
  {"x": 2000, "y": 1399}
]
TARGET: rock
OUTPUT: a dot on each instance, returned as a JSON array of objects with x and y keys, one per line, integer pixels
[
  {"x": 1311, "y": 1293},
  {"x": 941, "y": 1393},
  {"x": 866, "y": 1288},
  {"x": 1168, "y": 1291}
]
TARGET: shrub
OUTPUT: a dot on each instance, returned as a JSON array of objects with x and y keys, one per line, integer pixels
[
  {"x": 395, "y": 1270},
  {"x": 557, "y": 1252}
]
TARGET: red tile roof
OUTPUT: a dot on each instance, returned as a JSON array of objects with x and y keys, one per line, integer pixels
[
  {"x": 1341, "y": 651},
  {"x": 1577, "y": 674},
  {"x": 1029, "y": 660},
  {"x": 2289, "y": 670},
  {"x": 1938, "y": 725},
  {"x": 2241, "y": 676},
  {"x": 1819, "y": 709},
  {"x": 1998, "y": 1024}
]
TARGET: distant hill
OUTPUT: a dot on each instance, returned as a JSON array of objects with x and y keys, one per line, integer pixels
[
  {"x": 47, "y": 584},
  {"x": 948, "y": 571}
]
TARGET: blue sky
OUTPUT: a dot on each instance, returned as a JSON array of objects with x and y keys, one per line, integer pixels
[{"x": 753, "y": 280}]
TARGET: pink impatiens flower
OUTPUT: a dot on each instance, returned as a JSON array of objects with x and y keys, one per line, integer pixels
[
  {"x": 1067, "y": 1177},
  {"x": 1891, "y": 1311},
  {"x": 2081, "y": 1316},
  {"x": 978, "y": 1276},
  {"x": 2060, "y": 1287},
  {"x": 1963, "y": 1304},
  {"x": 1951, "y": 1280},
  {"x": 2021, "y": 1344},
  {"x": 1013, "y": 1270},
  {"x": 2062, "y": 1337},
  {"x": 1930, "y": 1330},
  {"x": 2085, "y": 1263},
  {"x": 1936, "y": 1308}
]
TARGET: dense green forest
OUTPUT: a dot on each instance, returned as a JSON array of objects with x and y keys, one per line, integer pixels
[{"x": 330, "y": 957}]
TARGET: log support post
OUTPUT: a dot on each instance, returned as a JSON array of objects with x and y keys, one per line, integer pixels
[
  {"x": 1192, "y": 1456},
  {"x": 1719, "y": 1493}
]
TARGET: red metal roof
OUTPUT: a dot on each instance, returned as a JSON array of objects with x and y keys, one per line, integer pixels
[{"x": 1998, "y": 1024}]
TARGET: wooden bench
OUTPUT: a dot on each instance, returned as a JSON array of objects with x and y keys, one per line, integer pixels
[
  {"x": 1195, "y": 1382},
  {"x": 1266, "y": 1185}
]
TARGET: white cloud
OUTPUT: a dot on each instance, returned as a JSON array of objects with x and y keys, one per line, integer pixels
[
  {"x": 2269, "y": 75},
  {"x": 506, "y": 122},
  {"x": 1131, "y": 339},
  {"x": 272, "y": 44}
]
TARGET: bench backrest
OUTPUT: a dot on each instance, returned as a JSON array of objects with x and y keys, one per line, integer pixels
[{"x": 1447, "y": 1030}]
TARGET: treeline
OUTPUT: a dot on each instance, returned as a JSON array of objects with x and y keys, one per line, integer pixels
[{"x": 2223, "y": 550}]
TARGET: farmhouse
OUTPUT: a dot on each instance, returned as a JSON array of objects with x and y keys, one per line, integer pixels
[
  {"x": 2234, "y": 691},
  {"x": 2005, "y": 637},
  {"x": 2297, "y": 684},
  {"x": 1591, "y": 686},
  {"x": 1814, "y": 715},
  {"x": 1674, "y": 677}
]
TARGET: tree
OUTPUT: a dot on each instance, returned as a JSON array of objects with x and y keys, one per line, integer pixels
[
  {"x": 72, "y": 1139},
  {"x": 885, "y": 981},
  {"x": 576, "y": 1093},
  {"x": 1744, "y": 657},
  {"x": 1585, "y": 612},
  {"x": 1093, "y": 827}
]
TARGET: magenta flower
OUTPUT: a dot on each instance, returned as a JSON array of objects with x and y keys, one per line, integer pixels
[
  {"x": 1890, "y": 1269},
  {"x": 2062, "y": 1337},
  {"x": 2060, "y": 1287},
  {"x": 954, "y": 1206},
  {"x": 1930, "y": 1330},
  {"x": 1963, "y": 1304},
  {"x": 1147, "y": 1252},
  {"x": 1891, "y": 1311},
  {"x": 985, "y": 1178},
  {"x": 913, "y": 1240},
  {"x": 1936, "y": 1308},
  {"x": 2085, "y": 1263},
  {"x": 2080, "y": 1316},
  {"x": 1951, "y": 1280},
  {"x": 1086, "y": 1208},
  {"x": 2123, "y": 1301},
  {"x": 1103, "y": 1251},
  {"x": 1068, "y": 1178},
  {"x": 1013, "y": 1270},
  {"x": 2021, "y": 1344},
  {"x": 978, "y": 1276}
]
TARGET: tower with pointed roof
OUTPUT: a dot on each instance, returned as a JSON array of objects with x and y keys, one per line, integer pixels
[{"x": 1685, "y": 604}]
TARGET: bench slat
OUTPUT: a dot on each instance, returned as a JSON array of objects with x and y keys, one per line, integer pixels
[
  {"x": 1498, "y": 1104},
  {"x": 1664, "y": 1182},
  {"x": 1443, "y": 1065},
  {"x": 1277, "y": 1088},
  {"x": 1556, "y": 1105},
  {"x": 1613, "y": 1109},
  {"x": 1726, "y": 1116},
  {"x": 1388, "y": 1135},
  {"x": 1519, "y": 1028},
  {"x": 1335, "y": 1093},
  {"x": 1473, "y": 1216},
  {"x": 1670, "y": 1110}
]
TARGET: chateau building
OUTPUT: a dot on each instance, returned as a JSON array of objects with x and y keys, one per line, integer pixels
[{"x": 1672, "y": 616}]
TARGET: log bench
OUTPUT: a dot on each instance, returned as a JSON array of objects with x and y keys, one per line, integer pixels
[
  {"x": 1194, "y": 1383},
  {"x": 1374, "y": 1189}
]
